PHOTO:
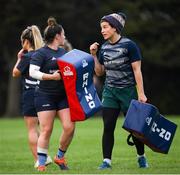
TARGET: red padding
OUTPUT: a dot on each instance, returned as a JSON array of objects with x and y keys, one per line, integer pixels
[{"x": 76, "y": 111}]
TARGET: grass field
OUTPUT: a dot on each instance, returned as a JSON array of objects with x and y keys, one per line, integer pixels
[{"x": 84, "y": 154}]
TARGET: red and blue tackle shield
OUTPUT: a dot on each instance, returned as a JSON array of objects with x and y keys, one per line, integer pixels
[{"x": 77, "y": 68}]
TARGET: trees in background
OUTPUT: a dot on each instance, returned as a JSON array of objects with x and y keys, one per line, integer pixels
[{"x": 154, "y": 25}]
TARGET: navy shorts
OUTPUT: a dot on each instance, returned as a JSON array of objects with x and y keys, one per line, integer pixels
[
  {"x": 28, "y": 107},
  {"x": 47, "y": 102}
]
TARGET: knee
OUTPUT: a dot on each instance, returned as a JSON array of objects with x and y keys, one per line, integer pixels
[
  {"x": 33, "y": 135},
  {"x": 69, "y": 129},
  {"x": 33, "y": 132},
  {"x": 46, "y": 132}
]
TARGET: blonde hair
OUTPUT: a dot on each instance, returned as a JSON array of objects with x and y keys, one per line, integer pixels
[
  {"x": 33, "y": 35},
  {"x": 38, "y": 40}
]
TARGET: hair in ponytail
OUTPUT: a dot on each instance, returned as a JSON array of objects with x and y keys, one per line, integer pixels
[
  {"x": 51, "y": 30},
  {"x": 38, "y": 40},
  {"x": 33, "y": 35},
  {"x": 51, "y": 21}
]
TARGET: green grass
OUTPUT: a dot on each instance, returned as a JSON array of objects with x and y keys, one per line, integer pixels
[{"x": 84, "y": 154}]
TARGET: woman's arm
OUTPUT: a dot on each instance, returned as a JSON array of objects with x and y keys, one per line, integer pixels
[
  {"x": 99, "y": 68},
  {"x": 34, "y": 72},
  {"x": 139, "y": 80},
  {"x": 16, "y": 72}
]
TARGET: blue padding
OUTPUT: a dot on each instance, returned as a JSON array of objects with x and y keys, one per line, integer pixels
[
  {"x": 85, "y": 90},
  {"x": 146, "y": 123}
]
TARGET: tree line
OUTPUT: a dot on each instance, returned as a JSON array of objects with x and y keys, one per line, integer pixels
[{"x": 154, "y": 25}]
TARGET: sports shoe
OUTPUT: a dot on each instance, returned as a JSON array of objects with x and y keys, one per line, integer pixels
[
  {"x": 48, "y": 161},
  {"x": 142, "y": 162},
  {"x": 41, "y": 168},
  {"x": 61, "y": 162},
  {"x": 104, "y": 165}
]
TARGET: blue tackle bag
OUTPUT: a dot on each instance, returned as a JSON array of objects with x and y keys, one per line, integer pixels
[
  {"x": 145, "y": 122},
  {"x": 77, "y": 68}
]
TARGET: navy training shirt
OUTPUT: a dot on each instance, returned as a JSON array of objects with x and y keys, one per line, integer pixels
[
  {"x": 117, "y": 59},
  {"x": 23, "y": 67},
  {"x": 45, "y": 58}
]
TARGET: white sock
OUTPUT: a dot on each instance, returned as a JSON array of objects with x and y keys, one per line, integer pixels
[
  {"x": 141, "y": 155},
  {"x": 107, "y": 161},
  {"x": 42, "y": 150}
]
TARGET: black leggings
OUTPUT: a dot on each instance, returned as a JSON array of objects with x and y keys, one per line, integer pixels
[{"x": 110, "y": 116}]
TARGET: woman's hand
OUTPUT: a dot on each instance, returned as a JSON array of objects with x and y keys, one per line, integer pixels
[
  {"x": 142, "y": 98},
  {"x": 94, "y": 48},
  {"x": 56, "y": 75},
  {"x": 20, "y": 54}
]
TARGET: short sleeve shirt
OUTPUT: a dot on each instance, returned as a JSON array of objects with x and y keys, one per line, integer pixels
[
  {"x": 23, "y": 67},
  {"x": 117, "y": 59},
  {"x": 46, "y": 59}
]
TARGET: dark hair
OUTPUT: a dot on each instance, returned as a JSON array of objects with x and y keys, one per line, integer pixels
[
  {"x": 115, "y": 20},
  {"x": 123, "y": 15},
  {"x": 51, "y": 30},
  {"x": 27, "y": 34}
]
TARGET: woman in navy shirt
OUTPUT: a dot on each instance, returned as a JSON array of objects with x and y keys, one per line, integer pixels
[
  {"x": 50, "y": 97},
  {"x": 120, "y": 60},
  {"x": 31, "y": 40}
]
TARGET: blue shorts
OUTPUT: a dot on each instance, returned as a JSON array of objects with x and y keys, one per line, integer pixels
[
  {"x": 47, "y": 102},
  {"x": 28, "y": 107}
]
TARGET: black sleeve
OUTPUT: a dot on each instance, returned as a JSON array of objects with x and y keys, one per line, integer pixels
[
  {"x": 100, "y": 57},
  {"x": 134, "y": 52},
  {"x": 37, "y": 58},
  {"x": 23, "y": 65}
]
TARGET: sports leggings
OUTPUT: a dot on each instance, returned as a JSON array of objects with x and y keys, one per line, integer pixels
[{"x": 110, "y": 116}]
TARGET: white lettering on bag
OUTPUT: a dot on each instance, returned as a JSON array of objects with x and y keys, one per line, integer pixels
[{"x": 88, "y": 95}]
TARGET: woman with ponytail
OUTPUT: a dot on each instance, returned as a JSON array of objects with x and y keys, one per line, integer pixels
[
  {"x": 50, "y": 97},
  {"x": 31, "y": 40}
]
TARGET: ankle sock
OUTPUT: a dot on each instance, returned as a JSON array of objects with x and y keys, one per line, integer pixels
[
  {"x": 60, "y": 153},
  {"x": 42, "y": 155},
  {"x": 107, "y": 161}
]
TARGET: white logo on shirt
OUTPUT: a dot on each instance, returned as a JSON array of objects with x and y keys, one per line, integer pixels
[
  {"x": 53, "y": 58},
  {"x": 45, "y": 105}
]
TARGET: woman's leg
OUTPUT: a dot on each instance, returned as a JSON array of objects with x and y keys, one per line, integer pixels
[
  {"x": 68, "y": 128},
  {"x": 110, "y": 116},
  {"x": 33, "y": 133},
  {"x": 46, "y": 121},
  {"x": 66, "y": 137},
  {"x": 139, "y": 145}
]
